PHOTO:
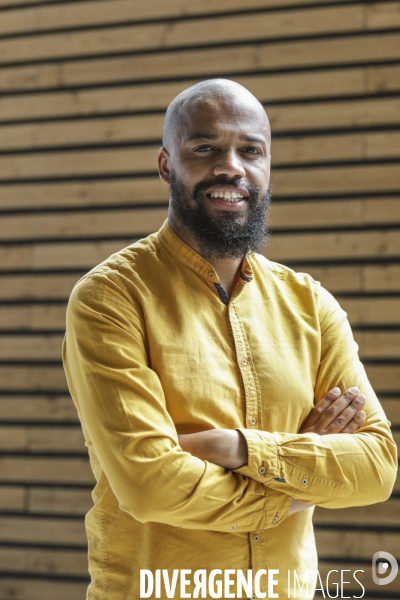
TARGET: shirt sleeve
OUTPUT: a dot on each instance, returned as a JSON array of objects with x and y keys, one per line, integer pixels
[
  {"x": 336, "y": 470},
  {"x": 123, "y": 411}
]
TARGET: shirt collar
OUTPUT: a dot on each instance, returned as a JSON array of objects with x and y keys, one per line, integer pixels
[{"x": 192, "y": 259}]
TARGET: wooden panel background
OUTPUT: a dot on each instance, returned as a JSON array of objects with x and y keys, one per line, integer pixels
[{"x": 84, "y": 88}]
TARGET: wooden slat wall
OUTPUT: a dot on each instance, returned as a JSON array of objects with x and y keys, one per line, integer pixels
[{"x": 84, "y": 88}]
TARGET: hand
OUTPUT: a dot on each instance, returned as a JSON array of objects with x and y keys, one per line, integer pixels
[
  {"x": 336, "y": 413},
  {"x": 333, "y": 414}
]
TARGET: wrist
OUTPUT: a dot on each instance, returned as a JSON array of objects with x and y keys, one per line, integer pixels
[{"x": 224, "y": 447}]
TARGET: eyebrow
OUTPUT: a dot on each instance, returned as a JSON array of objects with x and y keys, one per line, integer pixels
[{"x": 213, "y": 137}]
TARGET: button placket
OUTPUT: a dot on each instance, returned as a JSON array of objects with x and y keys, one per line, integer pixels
[
  {"x": 250, "y": 383},
  {"x": 252, "y": 398},
  {"x": 257, "y": 559}
]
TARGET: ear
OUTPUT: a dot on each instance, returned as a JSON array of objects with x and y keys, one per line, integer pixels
[{"x": 163, "y": 165}]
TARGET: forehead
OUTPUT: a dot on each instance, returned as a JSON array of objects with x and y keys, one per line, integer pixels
[{"x": 221, "y": 115}]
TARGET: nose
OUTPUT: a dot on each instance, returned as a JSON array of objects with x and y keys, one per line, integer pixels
[{"x": 229, "y": 164}]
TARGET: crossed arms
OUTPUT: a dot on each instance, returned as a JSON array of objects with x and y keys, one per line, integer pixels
[
  {"x": 134, "y": 443},
  {"x": 335, "y": 413}
]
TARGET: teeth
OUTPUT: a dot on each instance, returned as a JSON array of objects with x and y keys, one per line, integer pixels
[{"x": 230, "y": 196}]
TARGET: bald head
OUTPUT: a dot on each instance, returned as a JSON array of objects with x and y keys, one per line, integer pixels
[{"x": 229, "y": 95}]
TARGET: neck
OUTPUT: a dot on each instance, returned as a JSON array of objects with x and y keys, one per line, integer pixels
[{"x": 227, "y": 269}]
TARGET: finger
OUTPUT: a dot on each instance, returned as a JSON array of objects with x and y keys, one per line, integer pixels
[
  {"x": 321, "y": 407},
  {"x": 344, "y": 418},
  {"x": 357, "y": 422},
  {"x": 337, "y": 407}
]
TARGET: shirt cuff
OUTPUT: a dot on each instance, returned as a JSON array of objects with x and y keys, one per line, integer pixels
[
  {"x": 263, "y": 466},
  {"x": 271, "y": 461},
  {"x": 263, "y": 463}
]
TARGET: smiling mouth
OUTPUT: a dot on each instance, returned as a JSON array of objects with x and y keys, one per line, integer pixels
[{"x": 232, "y": 197}]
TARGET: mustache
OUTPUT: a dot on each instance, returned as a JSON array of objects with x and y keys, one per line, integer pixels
[{"x": 236, "y": 182}]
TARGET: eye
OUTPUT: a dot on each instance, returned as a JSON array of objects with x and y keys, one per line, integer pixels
[
  {"x": 203, "y": 149},
  {"x": 252, "y": 150}
]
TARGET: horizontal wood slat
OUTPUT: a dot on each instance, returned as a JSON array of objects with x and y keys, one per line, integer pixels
[
  {"x": 111, "y": 11},
  {"x": 391, "y": 406},
  {"x": 146, "y": 190},
  {"x": 39, "y": 561},
  {"x": 44, "y": 347},
  {"x": 44, "y": 500},
  {"x": 51, "y": 256},
  {"x": 75, "y": 471},
  {"x": 42, "y": 439},
  {"x": 267, "y": 88},
  {"x": 107, "y": 223},
  {"x": 347, "y": 279},
  {"x": 333, "y": 245},
  {"x": 384, "y": 378},
  {"x": 105, "y": 130},
  {"x": 12, "y": 498},
  {"x": 285, "y": 151},
  {"x": 378, "y": 344},
  {"x": 52, "y": 409},
  {"x": 333, "y": 213},
  {"x": 58, "y": 532},
  {"x": 34, "y": 378},
  {"x": 33, "y": 317},
  {"x": 345, "y": 113},
  {"x": 386, "y": 513},
  {"x": 340, "y": 180},
  {"x": 354, "y": 544},
  {"x": 372, "y": 311},
  {"x": 91, "y": 131},
  {"x": 35, "y": 287},
  {"x": 34, "y": 589},
  {"x": 18, "y": 4}
]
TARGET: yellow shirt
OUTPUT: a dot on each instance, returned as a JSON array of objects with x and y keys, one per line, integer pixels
[{"x": 151, "y": 350}]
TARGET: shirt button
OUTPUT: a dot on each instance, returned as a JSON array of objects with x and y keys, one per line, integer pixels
[
  {"x": 256, "y": 538},
  {"x": 262, "y": 470},
  {"x": 244, "y": 361},
  {"x": 304, "y": 481},
  {"x": 233, "y": 527},
  {"x": 254, "y": 598},
  {"x": 211, "y": 275},
  {"x": 275, "y": 519},
  {"x": 253, "y": 421}
]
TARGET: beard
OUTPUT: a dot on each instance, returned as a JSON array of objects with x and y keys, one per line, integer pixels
[{"x": 222, "y": 234}]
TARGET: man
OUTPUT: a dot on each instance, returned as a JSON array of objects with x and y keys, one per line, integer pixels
[{"x": 219, "y": 392}]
